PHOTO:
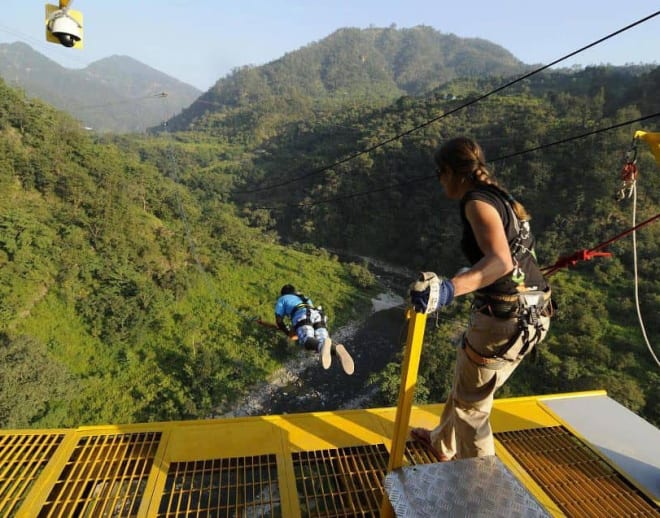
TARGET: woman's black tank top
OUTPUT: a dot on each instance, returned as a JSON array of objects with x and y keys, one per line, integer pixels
[{"x": 505, "y": 285}]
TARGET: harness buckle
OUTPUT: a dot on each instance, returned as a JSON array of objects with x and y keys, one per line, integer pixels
[{"x": 532, "y": 303}]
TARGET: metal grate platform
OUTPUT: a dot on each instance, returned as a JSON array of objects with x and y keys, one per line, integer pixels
[
  {"x": 577, "y": 479},
  {"x": 292, "y": 466},
  {"x": 245, "y": 486},
  {"x": 341, "y": 482},
  {"x": 347, "y": 481},
  {"x": 22, "y": 459},
  {"x": 104, "y": 476}
]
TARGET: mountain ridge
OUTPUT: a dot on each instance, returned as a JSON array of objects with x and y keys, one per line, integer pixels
[
  {"x": 124, "y": 84},
  {"x": 110, "y": 314},
  {"x": 348, "y": 65}
]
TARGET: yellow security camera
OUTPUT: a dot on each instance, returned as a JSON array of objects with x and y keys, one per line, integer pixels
[{"x": 64, "y": 26}]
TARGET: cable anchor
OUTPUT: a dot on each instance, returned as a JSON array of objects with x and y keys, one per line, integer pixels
[{"x": 628, "y": 172}]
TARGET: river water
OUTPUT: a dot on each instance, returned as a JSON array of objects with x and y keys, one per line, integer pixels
[{"x": 302, "y": 385}]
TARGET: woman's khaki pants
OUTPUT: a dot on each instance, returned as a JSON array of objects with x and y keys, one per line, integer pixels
[{"x": 464, "y": 429}]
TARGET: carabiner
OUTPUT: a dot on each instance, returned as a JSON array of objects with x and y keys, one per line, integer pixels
[{"x": 631, "y": 154}]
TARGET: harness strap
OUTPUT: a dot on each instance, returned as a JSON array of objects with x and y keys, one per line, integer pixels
[
  {"x": 486, "y": 361},
  {"x": 304, "y": 303},
  {"x": 527, "y": 313},
  {"x": 299, "y": 306},
  {"x": 302, "y": 322},
  {"x": 483, "y": 361},
  {"x": 307, "y": 321},
  {"x": 522, "y": 329}
]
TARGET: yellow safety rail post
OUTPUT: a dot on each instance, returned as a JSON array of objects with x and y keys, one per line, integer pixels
[{"x": 409, "y": 368}]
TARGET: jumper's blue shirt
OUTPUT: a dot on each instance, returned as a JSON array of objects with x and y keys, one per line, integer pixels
[{"x": 286, "y": 304}]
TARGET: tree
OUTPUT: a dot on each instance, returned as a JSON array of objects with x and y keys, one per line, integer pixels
[{"x": 31, "y": 381}]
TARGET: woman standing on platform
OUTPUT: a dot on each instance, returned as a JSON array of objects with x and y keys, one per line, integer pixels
[{"x": 511, "y": 310}]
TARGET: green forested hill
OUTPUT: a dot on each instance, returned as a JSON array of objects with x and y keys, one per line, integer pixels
[
  {"x": 124, "y": 296},
  {"x": 386, "y": 203},
  {"x": 366, "y": 66},
  {"x": 578, "y": 178},
  {"x": 130, "y": 268},
  {"x": 114, "y": 94}
]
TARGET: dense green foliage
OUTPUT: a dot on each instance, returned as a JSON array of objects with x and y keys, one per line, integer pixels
[
  {"x": 132, "y": 268},
  {"x": 579, "y": 177},
  {"x": 386, "y": 203},
  {"x": 125, "y": 296},
  {"x": 350, "y": 67}
]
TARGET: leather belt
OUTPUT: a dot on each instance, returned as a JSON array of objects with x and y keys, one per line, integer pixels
[{"x": 482, "y": 361}]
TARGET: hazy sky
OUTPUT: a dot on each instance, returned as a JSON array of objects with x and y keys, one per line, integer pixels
[{"x": 200, "y": 41}]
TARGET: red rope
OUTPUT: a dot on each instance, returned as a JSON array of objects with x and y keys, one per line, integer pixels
[
  {"x": 629, "y": 172},
  {"x": 586, "y": 255}
]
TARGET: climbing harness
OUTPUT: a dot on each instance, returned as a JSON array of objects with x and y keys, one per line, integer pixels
[
  {"x": 518, "y": 249},
  {"x": 527, "y": 308},
  {"x": 310, "y": 318},
  {"x": 517, "y": 245},
  {"x": 533, "y": 305}
]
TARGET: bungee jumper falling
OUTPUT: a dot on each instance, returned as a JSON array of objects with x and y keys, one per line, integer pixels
[{"x": 309, "y": 324}]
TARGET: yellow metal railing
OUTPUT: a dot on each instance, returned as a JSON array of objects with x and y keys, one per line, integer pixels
[{"x": 409, "y": 369}]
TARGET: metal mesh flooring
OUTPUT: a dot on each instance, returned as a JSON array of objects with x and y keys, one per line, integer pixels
[
  {"x": 22, "y": 459},
  {"x": 104, "y": 476},
  {"x": 347, "y": 481},
  {"x": 572, "y": 475},
  {"x": 299, "y": 465},
  {"x": 243, "y": 486}
]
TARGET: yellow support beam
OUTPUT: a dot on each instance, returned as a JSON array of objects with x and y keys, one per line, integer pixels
[
  {"x": 409, "y": 369},
  {"x": 653, "y": 140}
]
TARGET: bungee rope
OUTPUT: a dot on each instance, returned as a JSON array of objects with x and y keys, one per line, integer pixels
[
  {"x": 628, "y": 189},
  {"x": 636, "y": 283},
  {"x": 653, "y": 140}
]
